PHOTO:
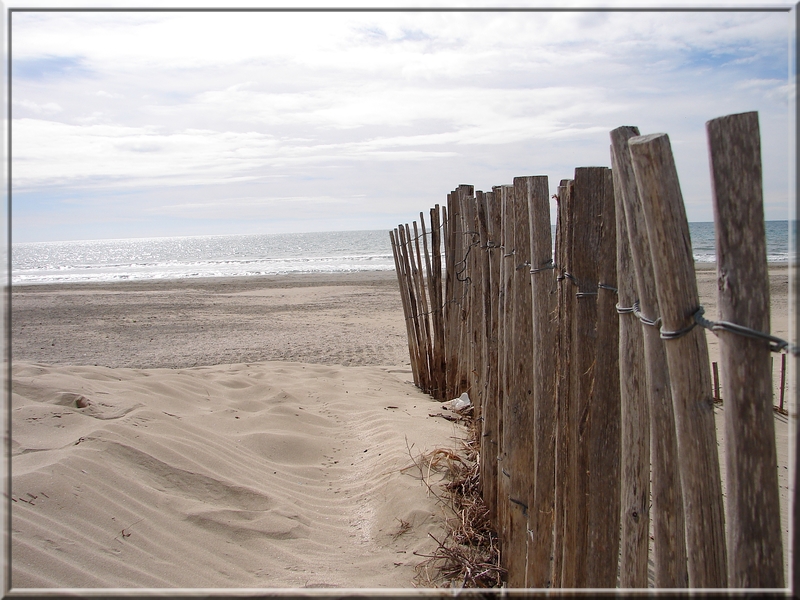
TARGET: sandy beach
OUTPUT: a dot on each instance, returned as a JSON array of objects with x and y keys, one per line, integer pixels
[{"x": 232, "y": 433}]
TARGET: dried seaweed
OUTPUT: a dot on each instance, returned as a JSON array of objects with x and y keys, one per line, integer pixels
[{"x": 469, "y": 555}]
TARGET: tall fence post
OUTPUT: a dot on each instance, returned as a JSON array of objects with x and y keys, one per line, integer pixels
[
  {"x": 453, "y": 294},
  {"x": 687, "y": 356},
  {"x": 464, "y": 195},
  {"x": 476, "y": 256},
  {"x": 604, "y": 409},
  {"x": 426, "y": 345},
  {"x": 588, "y": 200},
  {"x": 634, "y": 413},
  {"x": 504, "y": 360},
  {"x": 755, "y": 548},
  {"x": 437, "y": 302},
  {"x": 669, "y": 544},
  {"x": 490, "y": 439},
  {"x": 563, "y": 562},
  {"x": 543, "y": 325},
  {"x": 518, "y": 422},
  {"x": 404, "y": 298}
]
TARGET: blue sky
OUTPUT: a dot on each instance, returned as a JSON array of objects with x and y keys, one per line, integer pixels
[{"x": 138, "y": 124}]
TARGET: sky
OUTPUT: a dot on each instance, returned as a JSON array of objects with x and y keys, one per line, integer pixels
[{"x": 148, "y": 124}]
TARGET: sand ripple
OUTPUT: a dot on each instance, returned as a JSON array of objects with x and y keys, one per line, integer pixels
[{"x": 245, "y": 475}]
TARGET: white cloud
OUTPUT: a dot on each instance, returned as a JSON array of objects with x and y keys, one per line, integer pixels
[
  {"x": 50, "y": 108},
  {"x": 48, "y": 153},
  {"x": 130, "y": 100}
]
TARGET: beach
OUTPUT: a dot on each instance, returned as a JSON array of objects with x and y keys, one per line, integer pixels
[
  {"x": 234, "y": 432},
  {"x": 219, "y": 434}
]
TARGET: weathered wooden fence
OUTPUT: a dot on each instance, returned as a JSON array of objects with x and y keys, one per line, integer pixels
[{"x": 589, "y": 375}]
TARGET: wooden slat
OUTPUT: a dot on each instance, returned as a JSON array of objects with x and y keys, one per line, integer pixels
[
  {"x": 687, "y": 356},
  {"x": 439, "y": 362},
  {"x": 519, "y": 400},
  {"x": 755, "y": 555},
  {"x": 566, "y": 301},
  {"x": 427, "y": 334},
  {"x": 490, "y": 439},
  {"x": 504, "y": 361},
  {"x": 634, "y": 414},
  {"x": 604, "y": 408},
  {"x": 484, "y": 304},
  {"x": 402, "y": 283},
  {"x": 450, "y": 306},
  {"x": 406, "y": 261},
  {"x": 667, "y": 513},
  {"x": 544, "y": 331},
  {"x": 588, "y": 205}
]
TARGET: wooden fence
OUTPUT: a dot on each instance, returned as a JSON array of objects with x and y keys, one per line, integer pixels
[{"x": 589, "y": 376}]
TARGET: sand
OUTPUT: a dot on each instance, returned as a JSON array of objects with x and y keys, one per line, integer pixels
[
  {"x": 208, "y": 434},
  {"x": 231, "y": 433}
]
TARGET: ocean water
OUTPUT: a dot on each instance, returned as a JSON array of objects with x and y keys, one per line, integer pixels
[
  {"x": 703, "y": 241},
  {"x": 200, "y": 256},
  {"x": 246, "y": 255}
]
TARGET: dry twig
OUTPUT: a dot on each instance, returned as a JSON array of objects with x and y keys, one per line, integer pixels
[{"x": 468, "y": 556}]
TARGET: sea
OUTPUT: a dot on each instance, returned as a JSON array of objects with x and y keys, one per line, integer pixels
[{"x": 252, "y": 255}]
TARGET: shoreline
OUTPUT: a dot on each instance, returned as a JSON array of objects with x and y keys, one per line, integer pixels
[{"x": 279, "y": 279}]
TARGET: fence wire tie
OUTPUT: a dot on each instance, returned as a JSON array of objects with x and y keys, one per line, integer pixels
[
  {"x": 523, "y": 265},
  {"x": 776, "y": 344},
  {"x": 513, "y": 252},
  {"x": 569, "y": 276},
  {"x": 605, "y": 286},
  {"x": 545, "y": 266},
  {"x": 636, "y": 310},
  {"x": 624, "y": 310}
]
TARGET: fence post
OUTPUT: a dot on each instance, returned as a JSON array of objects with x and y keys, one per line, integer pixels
[
  {"x": 452, "y": 292},
  {"x": 602, "y": 426},
  {"x": 755, "y": 556},
  {"x": 439, "y": 364},
  {"x": 518, "y": 421},
  {"x": 503, "y": 359},
  {"x": 476, "y": 303},
  {"x": 412, "y": 309},
  {"x": 426, "y": 346},
  {"x": 634, "y": 413},
  {"x": 563, "y": 563},
  {"x": 667, "y": 514},
  {"x": 414, "y": 294},
  {"x": 489, "y": 425},
  {"x": 464, "y": 195},
  {"x": 588, "y": 199},
  {"x": 432, "y": 377},
  {"x": 687, "y": 356},
  {"x": 543, "y": 326},
  {"x": 404, "y": 298}
]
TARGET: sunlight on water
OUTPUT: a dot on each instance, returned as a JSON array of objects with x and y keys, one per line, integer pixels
[{"x": 243, "y": 255}]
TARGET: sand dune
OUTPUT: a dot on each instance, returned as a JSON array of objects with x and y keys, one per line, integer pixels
[{"x": 246, "y": 475}]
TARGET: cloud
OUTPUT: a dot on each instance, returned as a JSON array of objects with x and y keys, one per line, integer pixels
[
  {"x": 50, "y": 108},
  {"x": 49, "y": 153},
  {"x": 419, "y": 101}
]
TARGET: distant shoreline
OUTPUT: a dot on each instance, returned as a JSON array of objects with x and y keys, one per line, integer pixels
[{"x": 277, "y": 280}]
